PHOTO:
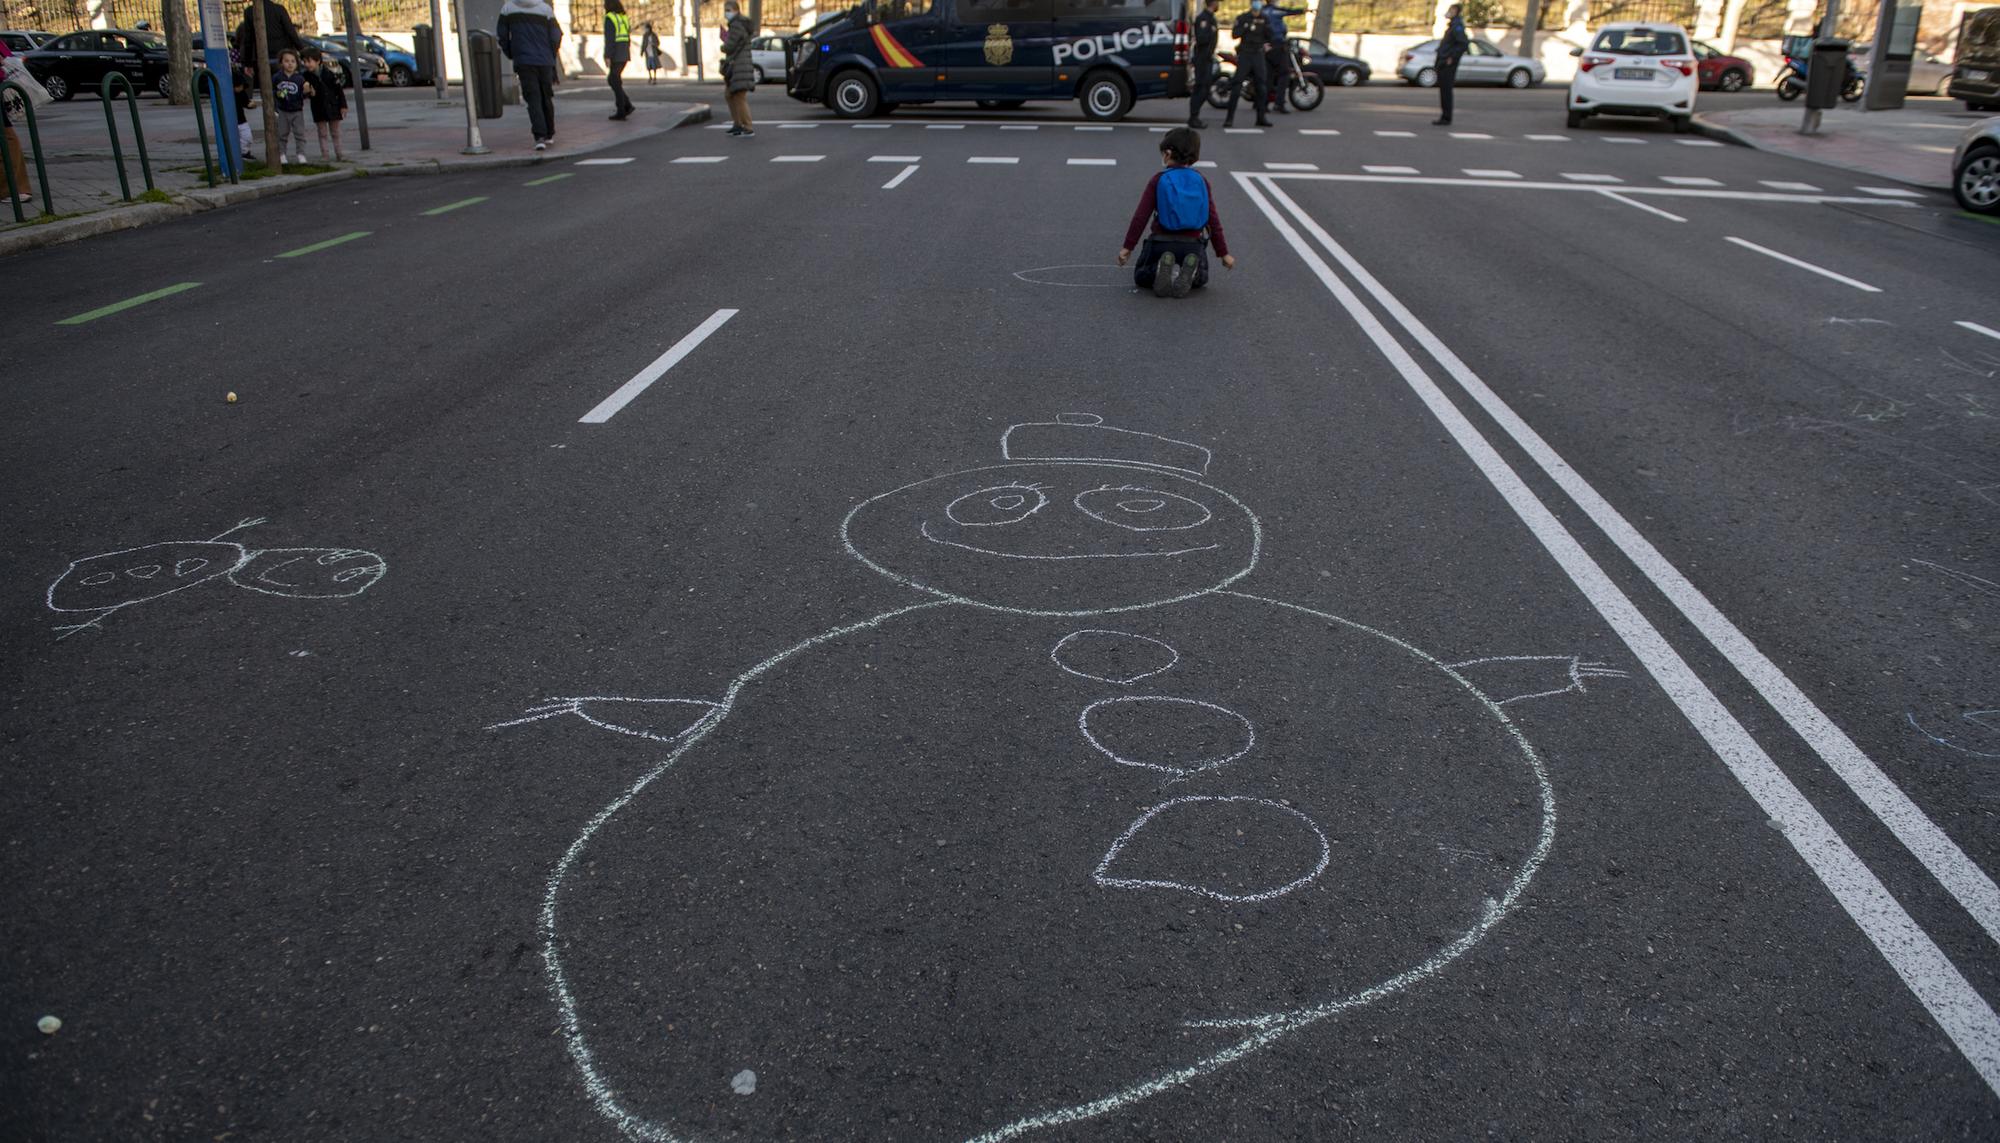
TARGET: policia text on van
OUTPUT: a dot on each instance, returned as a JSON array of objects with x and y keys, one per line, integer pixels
[{"x": 1000, "y": 53}]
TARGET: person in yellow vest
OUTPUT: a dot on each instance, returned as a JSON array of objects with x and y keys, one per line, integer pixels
[{"x": 617, "y": 53}]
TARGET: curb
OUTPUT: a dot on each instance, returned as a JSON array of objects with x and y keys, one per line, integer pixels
[
  {"x": 203, "y": 199},
  {"x": 1705, "y": 126}
]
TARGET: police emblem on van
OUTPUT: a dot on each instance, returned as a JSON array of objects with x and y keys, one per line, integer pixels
[{"x": 999, "y": 45}]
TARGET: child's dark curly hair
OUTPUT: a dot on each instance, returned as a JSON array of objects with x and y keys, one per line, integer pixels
[{"x": 1182, "y": 145}]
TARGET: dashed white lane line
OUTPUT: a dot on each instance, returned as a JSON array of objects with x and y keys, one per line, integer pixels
[
  {"x": 1698, "y": 142},
  {"x": 1318, "y": 131},
  {"x": 871, "y": 126},
  {"x": 1622, "y": 139},
  {"x": 1159, "y": 130},
  {"x": 895, "y": 158},
  {"x": 797, "y": 126},
  {"x": 1020, "y": 126},
  {"x": 1485, "y": 173},
  {"x": 1647, "y": 207},
  {"x": 1802, "y": 188},
  {"x": 905, "y": 173},
  {"x": 944, "y": 126},
  {"x": 1291, "y": 166},
  {"x": 1550, "y": 138},
  {"x": 1804, "y": 265},
  {"x": 797, "y": 158},
  {"x": 604, "y": 162},
  {"x": 1093, "y": 162},
  {"x": 701, "y": 158},
  {"x": 1690, "y": 181},
  {"x": 1396, "y": 134},
  {"x": 1206, "y": 163},
  {"x": 1242, "y": 130},
  {"x": 1977, "y": 328},
  {"x": 624, "y": 394},
  {"x": 1591, "y": 178},
  {"x": 1890, "y": 192},
  {"x": 999, "y": 160},
  {"x": 1469, "y": 135},
  {"x": 1389, "y": 170},
  {"x": 1084, "y": 128}
]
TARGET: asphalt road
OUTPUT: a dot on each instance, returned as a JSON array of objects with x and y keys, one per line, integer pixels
[{"x": 1514, "y": 658}]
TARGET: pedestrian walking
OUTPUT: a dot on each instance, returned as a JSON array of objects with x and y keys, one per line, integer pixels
[
  {"x": 1181, "y": 206},
  {"x": 530, "y": 36},
  {"x": 328, "y": 103},
  {"x": 739, "y": 73},
  {"x": 290, "y": 88},
  {"x": 280, "y": 34},
  {"x": 15, "y": 160},
  {"x": 1253, "y": 40},
  {"x": 1451, "y": 49},
  {"x": 1205, "y": 33},
  {"x": 617, "y": 53},
  {"x": 649, "y": 46}
]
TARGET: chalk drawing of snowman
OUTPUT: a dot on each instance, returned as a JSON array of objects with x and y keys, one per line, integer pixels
[{"x": 1084, "y": 825}]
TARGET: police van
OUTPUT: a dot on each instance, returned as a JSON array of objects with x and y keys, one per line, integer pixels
[{"x": 1105, "y": 54}]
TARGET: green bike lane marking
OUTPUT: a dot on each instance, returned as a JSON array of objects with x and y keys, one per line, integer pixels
[
  {"x": 451, "y": 206},
  {"x": 128, "y": 303},
  {"x": 548, "y": 179},
  {"x": 331, "y": 242}
]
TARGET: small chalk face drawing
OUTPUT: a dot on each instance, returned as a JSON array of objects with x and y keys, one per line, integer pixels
[
  {"x": 112, "y": 581},
  {"x": 1062, "y": 807}
]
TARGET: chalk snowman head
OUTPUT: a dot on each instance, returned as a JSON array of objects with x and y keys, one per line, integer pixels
[{"x": 1084, "y": 518}]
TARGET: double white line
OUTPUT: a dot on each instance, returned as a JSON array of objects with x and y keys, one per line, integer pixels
[{"x": 1958, "y": 1008}]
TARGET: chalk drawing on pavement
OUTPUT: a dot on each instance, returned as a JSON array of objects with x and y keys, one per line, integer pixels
[
  {"x": 1184, "y": 817},
  {"x": 1081, "y": 275},
  {"x": 1113, "y": 656},
  {"x": 1985, "y": 724},
  {"x": 1207, "y": 735},
  {"x": 1515, "y": 676}
]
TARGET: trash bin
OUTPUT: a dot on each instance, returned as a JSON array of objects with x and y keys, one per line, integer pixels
[
  {"x": 484, "y": 75},
  {"x": 1826, "y": 74},
  {"x": 425, "y": 49},
  {"x": 690, "y": 50}
]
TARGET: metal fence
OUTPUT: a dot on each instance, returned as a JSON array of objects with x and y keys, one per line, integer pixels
[
  {"x": 1387, "y": 15},
  {"x": 70, "y": 15},
  {"x": 1764, "y": 20},
  {"x": 1680, "y": 12},
  {"x": 44, "y": 15},
  {"x": 383, "y": 15}
]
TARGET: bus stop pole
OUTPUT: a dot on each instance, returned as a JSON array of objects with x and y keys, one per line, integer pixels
[
  {"x": 215, "y": 53},
  {"x": 360, "y": 80}
]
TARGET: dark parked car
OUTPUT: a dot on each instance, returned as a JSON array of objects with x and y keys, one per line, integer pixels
[
  {"x": 79, "y": 61},
  {"x": 1976, "y": 78},
  {"x": 1345, "y": 71}
]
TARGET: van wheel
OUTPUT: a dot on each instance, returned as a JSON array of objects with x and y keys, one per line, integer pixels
[
  {"x": 1105, "y": 95},
  {"x": 852, "y": 95}
]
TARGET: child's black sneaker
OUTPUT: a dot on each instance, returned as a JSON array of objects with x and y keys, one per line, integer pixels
[
  {"x": 1184, "y": 280},
  {"x": 1164, "y": 272}
]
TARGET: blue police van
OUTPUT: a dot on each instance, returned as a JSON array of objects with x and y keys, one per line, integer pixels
[{"x": 1105, "y": 54}]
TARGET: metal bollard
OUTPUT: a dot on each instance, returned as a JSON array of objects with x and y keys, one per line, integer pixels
[{"x": 138, "y": 132}]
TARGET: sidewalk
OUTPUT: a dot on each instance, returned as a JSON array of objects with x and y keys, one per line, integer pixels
[
  {"x": 1910, "y": 145},
  {"x": 409, "y": 133}
]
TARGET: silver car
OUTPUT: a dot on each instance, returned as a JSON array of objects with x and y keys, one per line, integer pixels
[
  {"x": 767, "y": 57},
  {"x": 1975, "y": 168},
  {"x": 1928, "y": 74},
  {"x": 1482, "y": 63}
]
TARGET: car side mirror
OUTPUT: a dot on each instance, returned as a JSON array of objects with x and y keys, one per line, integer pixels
[{"x": 1576, "y": 51}]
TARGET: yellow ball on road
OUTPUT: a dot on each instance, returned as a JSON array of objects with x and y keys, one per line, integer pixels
[{"x": 231, "y": 398}]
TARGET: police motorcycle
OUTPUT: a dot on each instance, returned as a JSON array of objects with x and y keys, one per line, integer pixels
[
  {"x": 1305, "y": 89},
  {"x": 1792, "y": 80}
]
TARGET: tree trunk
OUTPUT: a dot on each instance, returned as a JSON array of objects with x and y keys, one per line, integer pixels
[
  {"x": 260, "y": 58},
  {"x": 1530, "y": 26},
  {"x": 756, "y": 14},
  {"x": 180, "y": 53}
]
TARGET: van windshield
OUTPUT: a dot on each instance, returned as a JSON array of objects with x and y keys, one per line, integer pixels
[{"x": 1640, "y": 42}]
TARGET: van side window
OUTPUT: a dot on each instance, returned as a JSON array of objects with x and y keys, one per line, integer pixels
[
  {"x": 1004, "y": 11},
  {"x": 1114, "y": 9}
]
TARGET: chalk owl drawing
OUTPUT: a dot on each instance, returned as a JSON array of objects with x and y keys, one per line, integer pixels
[{"x": 1084, "y": 824}]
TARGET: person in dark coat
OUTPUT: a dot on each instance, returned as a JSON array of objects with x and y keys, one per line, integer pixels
[
  {"x": 617, "y": 53},
  {"x": 328, "y": 103},
  {"x": 1205, "y": 33},
  {"x": 737, "y": 68},
  {"x": 1253, "y": 42},
  {"x": 1451, "y": 49},
  {"x": 649, "y": 46},
  {"x": 279, "y": 33},
  {"x": 530, "y": 36}
]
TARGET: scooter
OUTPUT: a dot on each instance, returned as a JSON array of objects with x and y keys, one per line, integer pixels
[
  {"x": 1306, "y": 90},
  {"x": 1792, "y": 80}
]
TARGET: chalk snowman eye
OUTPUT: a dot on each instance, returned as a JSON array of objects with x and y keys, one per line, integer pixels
[
  {"x": 1000, "y": 504},
  {"x": 1141, "y": 509}
]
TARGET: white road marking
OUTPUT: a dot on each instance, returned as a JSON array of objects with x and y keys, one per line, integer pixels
[
  {"x": 604, "y": 162},
  {"x": 1550, "y": 138},
  {"x": 1803, "y": 265},
  {"x": 1469, "y": 135},
  {"x": 1648, "y": 208},
  {"x": 1205, "y": 163},
  {"x": 1890, "y": 192},
  {"x": 1930, "y": 976},
  {"x": 1484, "y": 173},
  {"x": 1389, "y": 170},
  {"x": 798, "y": 126},
  {"x": 895, "y": 158},
  {"x": 1397, "y": 134},
  {"x": 1318, "y": 131},
  {"x": 944, "y": 126},
  {"x": 1004, "y": 160},
  {"x": 797, "y": 158},
  {"x": 1590, "y": 178},
  {"x": 1690, "y": 181},
  {"x": 1977, "y": 328},
  {"x": 1083, "y": 128},
  {"x": 1159, "y": 130},
  {"x": 1093, "y": 162},
  {"x": 701, "y": 158},
  {"x": 905, "y": 173},
  {"x": 1242, "y": 130},
  {"x": 623, "y": 396},
  {"x": 871, "y": 126},
  {"x": 1666, "y": 192},
  {"x": 1698, "y": 142},
  {"x": 1020, "y": 126},
  {"x": 1622, "y": 139},
  {"x": 1291, "y": 166},
  {"x": 1806, "y": 188}
]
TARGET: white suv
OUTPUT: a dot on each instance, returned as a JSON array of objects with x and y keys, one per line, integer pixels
[{"x": 1635, "y": 69}]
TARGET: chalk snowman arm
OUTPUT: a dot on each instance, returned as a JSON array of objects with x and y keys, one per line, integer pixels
[
  {"x": 1510, "y": 679},
  {"x": 658, "y": 719}
]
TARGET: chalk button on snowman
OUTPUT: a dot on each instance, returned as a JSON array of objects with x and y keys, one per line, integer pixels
[{"x": 1084, "y": 824}]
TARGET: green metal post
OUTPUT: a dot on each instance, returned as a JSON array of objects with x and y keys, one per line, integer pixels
[
  {"x": 34, "y": 142},
  {"x": 201, "y": 124},
  {"x": 138, "y": 133}
]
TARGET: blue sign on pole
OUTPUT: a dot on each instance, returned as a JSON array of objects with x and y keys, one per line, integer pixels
[{"x": 215, "y": 53}]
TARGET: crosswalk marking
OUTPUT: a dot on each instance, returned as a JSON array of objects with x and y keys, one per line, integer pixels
[
  {"x": 1484, "y": 173},
  {"x": 797, "y": 158},
  {"x": 1390, "y": 170},
  {"x": 1318, "y": 131},
  {"x": 1690, "y": 181},
  {"x": 1469, "y": 135},
  {"x": 1588, "y": 178},
  {"x": 1093, "y": 162},
  {"x": 1805, "y": 188},
  {"x": 1291, "y": 166},
  {"x": 1397, "y": 134},
  {"x": 701, "y": 158},
  {"x": 895, "y": 158},
  {"x": 1550, "y": 138},
  {"x": 1007, "y": 160},
  {"x": 1622, "y": 139}
]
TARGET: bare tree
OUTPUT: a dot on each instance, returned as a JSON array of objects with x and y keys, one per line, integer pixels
[{"x": 180, "y": 53}]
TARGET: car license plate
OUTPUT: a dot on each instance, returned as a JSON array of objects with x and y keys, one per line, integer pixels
[{"x": 1632, "y": 73}]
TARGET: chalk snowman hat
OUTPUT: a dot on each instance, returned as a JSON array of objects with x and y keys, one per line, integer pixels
[{"x": 1085, "y": 437}]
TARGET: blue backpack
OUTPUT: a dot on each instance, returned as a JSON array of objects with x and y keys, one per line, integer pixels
[{"x": 1180, "y": 199}]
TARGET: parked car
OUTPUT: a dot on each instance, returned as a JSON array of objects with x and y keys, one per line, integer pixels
[
  {"x": 1928, "y": 74},
  {"x": 1976, "y": 78},
  {"x": 81, "y": 60},
  {"x": 402, "y": 69},
  {"x": 767, "y": 57},
  {"x": 374, "y": 69},
  {"x": 1716, "y": 71},
  {"x": 23, "y": 42},
  {"x": 1482, "y": 63},
  {"x": 1635, "y": 69},
  {"x": 1343, "y": 71},
  {"x": 1975, "y": 168}
]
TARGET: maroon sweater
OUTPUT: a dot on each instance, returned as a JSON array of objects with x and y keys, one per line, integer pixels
[{"x": 1147, "y": 203}]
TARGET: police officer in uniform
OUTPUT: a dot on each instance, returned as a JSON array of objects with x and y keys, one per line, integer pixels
[
  {"x": 1205, "y": 33},
  {"x": 1253, "y": 41},
  {"x": 617, "y": 53}
]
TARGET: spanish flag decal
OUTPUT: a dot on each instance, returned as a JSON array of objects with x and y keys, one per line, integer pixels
[{"x": 894, "y": 54}]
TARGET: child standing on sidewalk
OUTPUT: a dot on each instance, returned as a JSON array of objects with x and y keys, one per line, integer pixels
[
  {"x": 329, "y": 103},
  {"x": 289, "y": 91},
  {"x": 1174, "y": 259}
]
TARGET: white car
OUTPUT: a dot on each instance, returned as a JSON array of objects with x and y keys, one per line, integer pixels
[
  {"x": 1635, "y": 69},
  {"x": 767, "y": 56},
  {"x": 1482, "y": 63}
]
